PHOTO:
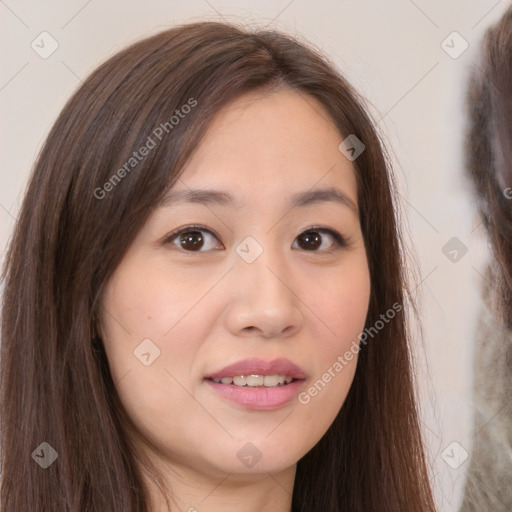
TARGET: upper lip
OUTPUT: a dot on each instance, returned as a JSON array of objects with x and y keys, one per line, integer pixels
[{"x": 255, "y": 366}]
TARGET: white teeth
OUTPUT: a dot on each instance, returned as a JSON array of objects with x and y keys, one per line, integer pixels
[
  {"x": 255, "y": 380},
  {"x": 269, "y": 381},
  {"x": 240, "y": 380}
]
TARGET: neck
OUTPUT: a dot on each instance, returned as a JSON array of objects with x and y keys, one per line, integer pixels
[{"x": 190, "y": 490}]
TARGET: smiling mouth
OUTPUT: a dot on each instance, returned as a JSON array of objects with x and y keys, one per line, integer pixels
[
  {"x": 258, "y": 392},
  {"x": 256, "y": 381}
]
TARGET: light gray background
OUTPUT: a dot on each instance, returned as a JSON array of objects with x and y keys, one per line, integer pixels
[{"x": 392, "y": 52}]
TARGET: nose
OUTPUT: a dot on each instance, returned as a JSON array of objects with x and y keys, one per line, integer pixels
[{"x": 262, "y": 300}]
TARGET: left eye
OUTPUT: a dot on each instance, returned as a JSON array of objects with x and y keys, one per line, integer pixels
[
  {"x": 200, "y": 239},
  {"x": 314, "y": 239}
]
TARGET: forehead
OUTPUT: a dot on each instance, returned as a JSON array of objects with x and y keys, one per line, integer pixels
[{"x": 264, "y": 142}]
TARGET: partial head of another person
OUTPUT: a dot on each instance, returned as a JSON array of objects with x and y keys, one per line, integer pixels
[{"x": 489, "y": 153}]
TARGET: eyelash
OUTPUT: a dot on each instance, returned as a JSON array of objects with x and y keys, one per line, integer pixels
[{"x": 339, "y": 240}]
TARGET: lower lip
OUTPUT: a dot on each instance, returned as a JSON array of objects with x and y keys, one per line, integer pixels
[{"x": 259, "y": 398}]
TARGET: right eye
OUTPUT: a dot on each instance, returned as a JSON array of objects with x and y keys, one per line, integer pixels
[{"x": 193, "y": 239}]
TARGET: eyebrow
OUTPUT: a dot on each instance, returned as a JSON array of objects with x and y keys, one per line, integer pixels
[{"x": 222, "y": 198}]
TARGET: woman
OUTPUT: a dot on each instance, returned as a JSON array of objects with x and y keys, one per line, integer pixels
[
  {"x": 204, "y": 298},
  {"x": 489, "y": 165}
]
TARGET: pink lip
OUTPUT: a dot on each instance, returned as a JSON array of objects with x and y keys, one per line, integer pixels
[
  {"x": 255, "y": 366},
  {"x": 259, "y": 398}
]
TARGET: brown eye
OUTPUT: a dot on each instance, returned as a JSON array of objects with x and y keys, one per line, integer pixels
[
  {"x": 310, "y": 240},
  {"x": 320, "y": 238},
  {"x": 193, "y": 239}
]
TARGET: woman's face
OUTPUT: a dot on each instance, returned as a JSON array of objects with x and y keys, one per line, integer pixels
[{"x": 263, "y": 277}]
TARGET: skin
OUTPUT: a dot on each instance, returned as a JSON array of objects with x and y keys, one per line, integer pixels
[{"x": 209, "y": 308}]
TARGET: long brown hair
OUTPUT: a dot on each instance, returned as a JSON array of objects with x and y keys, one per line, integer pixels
[
  {"x": 489, "y": 152},
  {"x": 56, "y": 385}
]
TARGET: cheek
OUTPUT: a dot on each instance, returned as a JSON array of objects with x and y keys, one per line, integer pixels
[
  {"x": 151, "y": 337},
  {"x": 137, "y": 310},
  {"x": 145, "y": 300},
  {"x": 149, "y": 299},
  {"x": 151, "y": 332},
  {"x": 341, "y": 305}
]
